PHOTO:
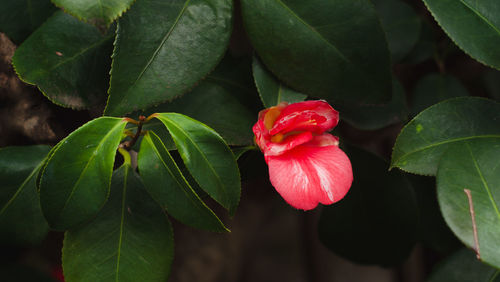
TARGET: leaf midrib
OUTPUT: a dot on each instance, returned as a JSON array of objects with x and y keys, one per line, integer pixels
[
  {"x": 87, "y": 165},
  {"x": 485, "y": 184},
  {"x": 481, "y": 16},
  {"x": 165, "y": 38},
  {"x": 122, "y": 220},
  {"x": 21, "y": 187},
  {"x": 221, "y": 185},
  {"x": 442, "y": 143},
  {"x": 314, "y": 31}
]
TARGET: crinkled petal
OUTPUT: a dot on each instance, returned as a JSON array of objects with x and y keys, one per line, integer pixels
[
  {"x": 314, "y": 116},
  {"x": 308, "y": 175}
]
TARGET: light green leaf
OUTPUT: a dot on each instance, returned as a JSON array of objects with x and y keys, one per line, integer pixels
[
  {"x": 18, "y": 19},
  {"x": 166, "y": 184},
  {"x": 473, "y": 165},
  {"x": 334, "y": 49},
  {"x": 271, "y": 91},
  {"x": 423, "y": 140},
  {"x": 473, "y": 25},
  {"x": 67, "y": 60},
  {"x": 207, "y": 157},
  {"x": 163, "y": 48},
  {"x": 130, "y": 239},
  {"x": 96, "y": 12},
  {"x": 75, "y": 182},
  {"x": 21, "y": 217}
]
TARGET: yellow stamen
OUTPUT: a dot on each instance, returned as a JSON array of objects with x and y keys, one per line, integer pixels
[
  {"x": 271, "y": 116},
  {"x": 277, "y": 138}
]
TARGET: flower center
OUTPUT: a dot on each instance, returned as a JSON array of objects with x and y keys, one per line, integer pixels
[{"x": 271, "y": 116}]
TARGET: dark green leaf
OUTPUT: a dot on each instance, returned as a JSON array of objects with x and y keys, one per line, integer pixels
[
  {"x": 371, "y": 117},
  {"x": 213, "y": 105},
  {"x": 434, "y": 88},
  {"x": 163, "y": 48},
  {"x": 425, "y": 47},
  {"x": 18, "y": 19},
  {"x": 207, "y": 157},
  {"x": 240, "y": 151},
  {"x": 473, "y": 165},
  {"x": 21, "y": 218},
  {"x": 463, "y": 266},
  {"x": 20, "y": 273},
  {"x": 165, "y": 182},
  {"x": 96, "y": 12},
  {"x": 423, "y": 140},
  {"x": 376, "y": 222},
  {"x": 334, "y": 49},
  {"x": 75, "y": 182},
  {"x": 130, "y": 239},
  {"x": 491, "y": 80},
  {"x": 433, "y": 231},
  {"x": 401, "y": 25},
  {"x": 272, "y": 92},
  {"x": 68, "y": 60},
  {"x": 473, "y": 25}
]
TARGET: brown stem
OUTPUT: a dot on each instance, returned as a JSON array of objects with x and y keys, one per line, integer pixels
[
  {"x": 474, "y": 227},
  {"x": 127, "y": 145}
]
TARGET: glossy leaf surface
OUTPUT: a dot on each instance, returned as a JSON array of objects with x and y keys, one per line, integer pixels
[
  {"x": 207, "y": 157},
  {"x": 20, "y": 213},
  {"x": 18, "y": 19},
  {"x": 473, "y": 25},
  {"x": 96, "y": 12},
  {"x": 463, "y": 266},
  {"x": 67, "y": 60},
  {"x": 384, "y": 209},
  {"x": 423, "y": 140},
  {"x": 130, "y": 239},
  {"x": 166, "y": 184},
  {"x": 401, "y": 25},
  {"x": 75, "y": 182},
  {"x": 271, "y": 91},
  {"x": 335, "y": 50},
  {"x": 473, "y": 165},
  {"x": 435, "y": 88},
  {"x": 155, "y": 61}
]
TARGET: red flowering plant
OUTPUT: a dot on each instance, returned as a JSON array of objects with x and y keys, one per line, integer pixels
[{"x": 306, "y": 166}]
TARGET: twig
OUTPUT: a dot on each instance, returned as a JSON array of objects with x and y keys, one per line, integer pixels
[{"x": 474, "y": 226}]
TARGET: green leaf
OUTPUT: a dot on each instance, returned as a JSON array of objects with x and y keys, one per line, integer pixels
[
  {"x": 175, "y": 45},
  {"x": 96, "y": 12},
  {"x": 473, "y": 165},
  {"x": 401, "y": 25},
  {"x": 332, "y": 49},
  {"x": 207, "y": 157},
  {"x": 21, "y": 217},
  {"x": 371, "y": 117},
  {"x": 473, "y": 25},
  {"x": 166, "y": 184},
  {"x": 434, "y": 88},
  {"x": 376, "y": 223},
  {"x": 75, "y": 182},
  {"x": 218, "y": 108},
  {"x": 425, "y": 47},
  {"x": 130, "y": 239},
  {"x": 463, "y": 266},
  {"x": 491, "y": 80},
  {"x": 423, "y": 140},
  {"x": 67, "y": 60},
  {"x": 18, "y": 19},
  {"x": 271, "y": 91}
]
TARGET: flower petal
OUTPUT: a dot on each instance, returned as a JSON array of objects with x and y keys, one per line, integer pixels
[
  {"x": 314, "y": 116},
  {"x": 308, "y": 175}
]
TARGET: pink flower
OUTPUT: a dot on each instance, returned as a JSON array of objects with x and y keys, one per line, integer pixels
[{"x": 306, "y": 165}]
